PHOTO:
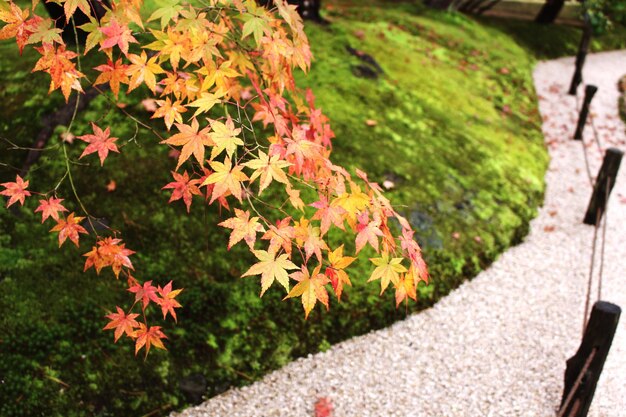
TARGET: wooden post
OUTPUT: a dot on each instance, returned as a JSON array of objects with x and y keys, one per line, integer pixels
[
  {"x": 550, "y": 11},
  {"x": 584, "y": 368},
  {"x": 590, "y": 91},
  {"x": 583, "y": 48},
  {"x": 604, "y": 184}
]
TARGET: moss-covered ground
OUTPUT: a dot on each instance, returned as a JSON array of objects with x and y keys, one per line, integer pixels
[{"x": 456, "y": 131}]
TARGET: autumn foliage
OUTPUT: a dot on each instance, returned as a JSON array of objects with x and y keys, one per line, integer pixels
[{"x": 220, "y": 73}]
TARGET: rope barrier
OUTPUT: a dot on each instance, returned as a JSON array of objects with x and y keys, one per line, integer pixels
[{"x": 596, "y": 139}]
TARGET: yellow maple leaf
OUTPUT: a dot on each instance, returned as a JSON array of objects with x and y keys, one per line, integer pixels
[
  {"x": 205, "y": 103},
  {"x": 335, "y": 271},
  {"x": 271, "y": 268},
  {"x": 387, "y": 270},
  {"x": 268, "y": 168},
  {"x": 224, "y": 135},
  {"x": 226, "y": 178},
  {"x": 310, "y": 288}
]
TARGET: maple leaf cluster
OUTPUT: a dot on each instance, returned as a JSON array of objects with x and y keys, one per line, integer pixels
[{"x": 220, "y": 74}]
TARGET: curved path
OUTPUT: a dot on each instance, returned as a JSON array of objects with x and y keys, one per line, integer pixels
[{"x": 497, "y": 345}]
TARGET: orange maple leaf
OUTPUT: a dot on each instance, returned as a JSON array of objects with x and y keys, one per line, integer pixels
[
  {"x": 58, "y": 63},
  {"x": 50, "y": 208},
  {"x": 113, "y": 73},
  {"x": 192, "y": 141},
  {"x": 122, "y": 323},
  {"x": 116, "y": 34},
  {"x": 171, "y": 112},
  {"x": 309, "y": 237},
  {"x": 100, "y": 142},
  {"x": 243, "y": 227},
  {"x": 167, "y": 302},
  {"x": 335, "y": 271},
  {"x": 149, "y": 337},
  {"x": 405, "y": 287},
  {"x": 69, "y": 228},
  {"x": 70, "y": 6},
  {"x": 280, "y": 236},
  {"x": 143, "y": 70},
  {"x": 310, "y": 288},
  {"x": 183, "y": 188},
  {"x": 109, "y": 252},
  {"x": 16, "y": 191}
]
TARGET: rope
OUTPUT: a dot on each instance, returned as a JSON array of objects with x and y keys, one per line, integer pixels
[
  {"x": 579, "y": 379},
  {"x": 590, "y": 280},
  {"x": 596, "y": 139},
  {"x": 582, "y": 141},
  {"x": 606, "y": 219}
]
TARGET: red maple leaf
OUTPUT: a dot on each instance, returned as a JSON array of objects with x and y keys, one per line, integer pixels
[
  {"x": 50, "y": 208},
  {"x": 116, "y": 34},
  {"x": 100, "y": 142},
  {"x": 328, "y": 214},
  {"x": 122, "y": 323},
  {"x": 69, "y": 228},
  {"x": 16, "y": 191},
  {"x": 145, "y": 293},
  {"x": 183, "y": 188}
]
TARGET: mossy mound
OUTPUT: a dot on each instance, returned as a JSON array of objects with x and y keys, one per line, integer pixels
[{"x": 456, "y": 133}]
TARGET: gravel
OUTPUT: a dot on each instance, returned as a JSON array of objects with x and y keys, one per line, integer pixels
[{"x": 497, "y": 345}]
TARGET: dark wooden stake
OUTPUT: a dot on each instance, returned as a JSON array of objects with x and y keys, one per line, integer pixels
[
  {"x": 583, "y": 48},
  {"x": 584, "y": 368},
  {"x": 550, "y": 11},
  {"x": 604, "y": 184},
  {"x": 590, "y": 91}
]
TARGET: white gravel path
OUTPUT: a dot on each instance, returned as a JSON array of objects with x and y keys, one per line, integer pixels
[{"x": 497, "y": 345}]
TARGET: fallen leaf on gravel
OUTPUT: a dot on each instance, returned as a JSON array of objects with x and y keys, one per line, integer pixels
[
  {"x": 550, "y": 228},
  {"x": 323, "y": 407},
  {"x": 552, "y": 213}
]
